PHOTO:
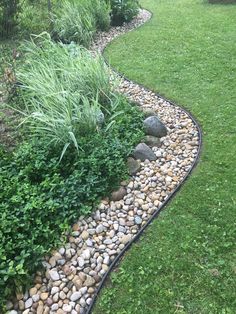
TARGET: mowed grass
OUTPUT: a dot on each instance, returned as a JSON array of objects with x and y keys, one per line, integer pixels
[{"x": 185, "y": 262}]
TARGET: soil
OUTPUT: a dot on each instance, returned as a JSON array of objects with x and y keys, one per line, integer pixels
[{"x": 9, "y": 133}]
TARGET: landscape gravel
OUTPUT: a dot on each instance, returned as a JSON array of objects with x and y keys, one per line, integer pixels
[{"x": 74, "y": 272}]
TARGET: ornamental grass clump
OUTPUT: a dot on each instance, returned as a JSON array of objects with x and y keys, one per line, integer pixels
[
  {"x": 78, "y": 21},
  {"x": 101, "y": 10},
  {"x": 66, "y": 91}
]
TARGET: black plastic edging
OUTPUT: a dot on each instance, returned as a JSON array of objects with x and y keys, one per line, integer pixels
[{"x": 116, "y": 261}]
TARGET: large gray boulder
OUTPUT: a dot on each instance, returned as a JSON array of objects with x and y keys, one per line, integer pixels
[
  {"x": 153, "y": 126},
  {"x": 143, "y": 152}
]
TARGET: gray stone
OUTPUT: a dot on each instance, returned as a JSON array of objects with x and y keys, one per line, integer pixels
[
  {"x": 106, "y": 260},
  {"x": 102, "y": 247},
  {"x": 54, "y": 290},
  {"x": 122, "y": 229},
  {"x": 89, "y": 301},
  {"x": 116, "y": 226},
  {"x": 86, "y": 254},
  {"x": 99, "y": 229},
  {"x": 138, "y": 220},
  {"x": 83, "y": 290},
  {"x": 89, "y": 243},
  {"x": 13, "y": 312},
  {"x": 153, "y": 126},
  {"x": 119, "y": 194},
  {"x": 143, "y": 152},
  {"x": 67, "y": 308},
  {"x": 107, "y": 241},
  {"x": 75, "y": 296},
  {"x": 61, "y": 261},
  {"x": 82, "y": 302},
  {"x": 62, "y": 251},
  {"x": 54, "y": 307},
  {"x": 35, "y": 297},
  {"x": 91, "y": 231},
  {"x": 81, "y": 262},
  {"x": 133, "y": 165},
  {"x": 54, "y": 275},
  {"x": 28, "y": 303},
  {"x": 56, "y": 297},
  {"x": 152, "y": 141}
]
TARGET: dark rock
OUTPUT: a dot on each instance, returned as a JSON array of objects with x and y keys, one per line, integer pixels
[
  {"x": 152, "y": 141},
  {"x": 119, "y": 194},
  {"x": 143, "y": 152},
  {"x": 153, "y": 126},
  {"x": 133, "y": 165}
]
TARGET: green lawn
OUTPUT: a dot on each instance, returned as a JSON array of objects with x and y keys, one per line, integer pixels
[{"x": 185, "y": 262}]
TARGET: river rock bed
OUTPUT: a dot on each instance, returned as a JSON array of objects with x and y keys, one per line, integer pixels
[{"x": 74, "y": 272}]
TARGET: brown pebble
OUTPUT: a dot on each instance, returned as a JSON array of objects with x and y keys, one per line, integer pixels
[{"x": 44, "y": 296}]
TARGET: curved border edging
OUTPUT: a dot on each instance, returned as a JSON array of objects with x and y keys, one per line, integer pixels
[{"x": 117, "y": 260}]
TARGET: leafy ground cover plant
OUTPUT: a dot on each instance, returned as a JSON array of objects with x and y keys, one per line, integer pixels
[{"x": 40, "y": 198}]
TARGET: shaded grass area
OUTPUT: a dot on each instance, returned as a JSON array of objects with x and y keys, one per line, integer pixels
[{"x": 185, "y": 262}]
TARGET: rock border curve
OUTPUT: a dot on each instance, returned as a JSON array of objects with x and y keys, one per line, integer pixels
[{"x": 127, "y": 82}]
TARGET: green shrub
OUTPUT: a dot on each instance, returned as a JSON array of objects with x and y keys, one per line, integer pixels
[
  {"x": 123, "y": 11},
  {"x": 40, "y": 198},
  {"x": 35, "y": 17},
  {"x": 66, "y": 91}
]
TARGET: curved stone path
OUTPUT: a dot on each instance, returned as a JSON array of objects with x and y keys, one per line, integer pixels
[{"x": 76, "y": 271}]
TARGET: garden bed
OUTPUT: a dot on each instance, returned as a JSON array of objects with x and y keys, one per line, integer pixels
[{"x": 74, "y": 272}]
